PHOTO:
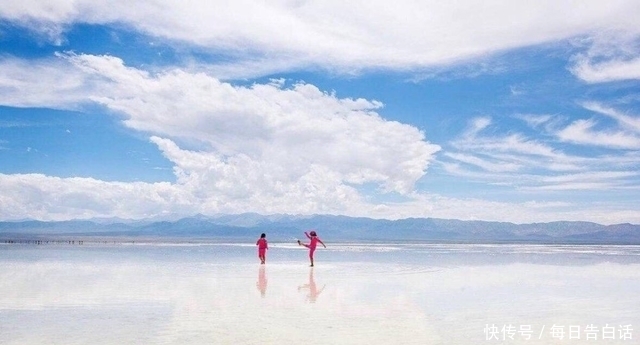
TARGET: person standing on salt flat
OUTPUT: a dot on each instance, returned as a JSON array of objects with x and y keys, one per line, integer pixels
[
  {"x": 262, "y": 248},
  {"x": 314, "y": 239}
]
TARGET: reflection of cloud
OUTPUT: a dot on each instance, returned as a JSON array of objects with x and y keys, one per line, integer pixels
[{"x": 211, "y": 297}]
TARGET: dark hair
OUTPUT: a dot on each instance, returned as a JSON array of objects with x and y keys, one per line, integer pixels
[
  {"x": 313, "y": 233},
  {"x": 263, "y": 235}
]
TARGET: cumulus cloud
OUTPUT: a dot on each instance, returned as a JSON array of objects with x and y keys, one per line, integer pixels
[
  {"x": 346, "y": 36},
  {"x": 240, "y": 183},
  {"x": 270, "y": 148},
  {"x": 296, "y": 127},
  {"x": 285, "y": 146},
  {"x": 264, "y": 147},
  {"x": 23, "y": 84},
  {"x": 51, "y": 198}
]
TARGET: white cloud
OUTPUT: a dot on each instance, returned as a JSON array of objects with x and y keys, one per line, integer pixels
[
  {"x": 610, "y": 55},
  {"x": 492, "y": 166},
  {"x": 534, "y": 120},
  {"x": 429, "y": 205},
  {"x": 628, "y": 122},
  {"x": 475, "y": 126},
  {"x": 23, "y": 84},
  {"x": 470, "y": 140},
  {"x": 52, "y": 198},
  {"x": 294, "y": 127},
  {"x": 589, "y": 132},
  {"x": 345, "y": 36},
  {"x": 266, "y": 147},
  {"x": 513, "y": 150},
  {"x": 240, "y": 183},
  {"x": 612, "y": 70},
  {"x": 591, "y": 176},
  {"x": 527, "y": 165},
  {"x": 282, "y": 147},
  {"x": 572, "y": 186},
  {"x": 583, "y": 132}
]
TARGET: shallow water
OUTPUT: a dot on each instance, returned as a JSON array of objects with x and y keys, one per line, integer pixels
[{"x": 357, "y": 294}]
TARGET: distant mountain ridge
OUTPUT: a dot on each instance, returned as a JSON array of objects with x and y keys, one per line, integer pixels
[{"x": 337, "y": 228}]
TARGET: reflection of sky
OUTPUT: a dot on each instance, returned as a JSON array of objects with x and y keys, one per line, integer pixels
[{"x": 220, "y": 294}]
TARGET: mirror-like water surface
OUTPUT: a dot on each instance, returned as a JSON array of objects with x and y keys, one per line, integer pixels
[{"x": 357, "y": 294}]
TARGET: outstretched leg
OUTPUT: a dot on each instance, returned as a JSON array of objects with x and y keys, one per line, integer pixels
[{"x": 303, "y": 244}]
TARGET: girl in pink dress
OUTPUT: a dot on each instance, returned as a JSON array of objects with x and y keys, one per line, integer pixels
[
  {"x": 262, "y": 248},
  {"x": 314, "y": 239}
]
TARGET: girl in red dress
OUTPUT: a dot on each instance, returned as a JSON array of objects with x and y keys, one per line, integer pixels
[
  {"x": 314, "y": 239},
  {"x": 262, "y": 248}
]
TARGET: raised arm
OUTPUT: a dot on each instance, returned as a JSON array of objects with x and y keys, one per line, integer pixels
[{"x": 306, "y": 234}]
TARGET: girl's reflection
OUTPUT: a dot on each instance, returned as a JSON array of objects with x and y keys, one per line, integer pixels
[
  {"x": 261, "y": 284},
  {"x": 313, "y": 289}
]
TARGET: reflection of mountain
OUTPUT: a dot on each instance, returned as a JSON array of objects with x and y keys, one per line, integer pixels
[{"x": 284, "y": 227}]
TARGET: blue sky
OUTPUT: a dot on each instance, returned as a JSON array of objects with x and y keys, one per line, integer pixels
[{"x": 506, "y": 111}]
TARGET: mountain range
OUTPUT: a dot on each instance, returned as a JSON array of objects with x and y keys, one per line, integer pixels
[{"x": 329, "y": 227}]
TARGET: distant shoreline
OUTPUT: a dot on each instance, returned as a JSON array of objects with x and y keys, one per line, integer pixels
[{"x": 75, "y": 239}]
